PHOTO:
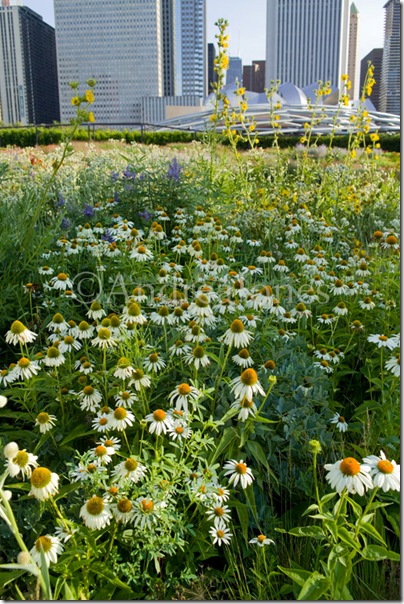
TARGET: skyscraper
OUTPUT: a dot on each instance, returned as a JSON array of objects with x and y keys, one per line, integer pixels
[
  {"x": 353, "y": 43},
  {"x": 212, "y": 75},
  {"x": 235, "y": 71},
  {"x": 191, "y": 57},
  {"x": 28, "y": 78},
  {"x": 120, "y": 44},
  {"x": 254, "y": 76},
  {"x": 307, "y": 41},
  {"x": 390, "y": 81},
  {"x": 375, "y": 57}
]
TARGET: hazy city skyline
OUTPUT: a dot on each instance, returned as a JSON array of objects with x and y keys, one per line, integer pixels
[{"x": 247, "y": 29}]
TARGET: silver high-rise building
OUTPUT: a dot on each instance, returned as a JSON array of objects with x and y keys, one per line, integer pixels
[
  {"x": 390, "y": 81},
  {"x": 307, "y": 41},
  {"x": 120, "y": 44},
  {"x": 191, "y": 48}
]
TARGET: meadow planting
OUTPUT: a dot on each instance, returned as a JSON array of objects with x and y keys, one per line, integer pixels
[{"x": 200, "y": 368}]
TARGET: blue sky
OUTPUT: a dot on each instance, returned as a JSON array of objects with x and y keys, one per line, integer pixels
[{"x": 247, "y": 24}]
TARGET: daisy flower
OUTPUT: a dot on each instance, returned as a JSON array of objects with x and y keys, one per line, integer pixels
[
  {"x": 22, "y": 462},
  {"x": 51, "y": 547},
  {"x": 238, "y": 472},
  {"x": 61, "y": 282},
  {"x": 160, "y": 422},
  {"x": 123, "y": 510},
  {"x": 179, "y": 348},
  {"x": 45, "y": 421},
  {"x": 350, "y": 474},
  {"x": 391, "y": 242},
  {"x": 18, "y": 333},
  {"x": 246, "y": 406},
  {"x": 324, "y": 366},
  {"x": 25, "y": 369},
  {"x": 382, "y": 341},
  {"x": 220, "y": 533},
  {"x": 44, "y": 483},
  {"x": 237, "y": 335},
  {"x": 90, "y": 398},
  {"x": 133, "y": 314},
  {"x": 112, "y": 442},
  {"x": 385, "y": 473},
  {"x": 121, "y": 418},
  {"x": 219, "y": 514},
  {"x": 102, "y": 455},
  {"x": 243, "y": 358},
  {"x": 263, "y": 299},
  {"x": 141, "y": 254},
  {"x": 197, "y": 358},
  {"x": 340, "y": 421},
  {"x": 154, "y": 363},
  {"x": 393, "y": 365},
  {"x": 96, "y": 311},
  {"x": 201, "y": 307},
  {"x": 125, "y": 398},
  {"x": 69, "y": 344},
  {"x": 179, "y": 431},
  {"x": 182, "y": 395},
  {"x": 123, "y": 369},
  {"x": 220, "y": 494},
  {"x": 146, "y": 512},
  {"x": 247, "y": 385},
  {"x": 341, "y": 309},
  {"x": 96, "y": 513},
  {"x": 104, "y": 339},
  {"x": 53, "y": 357},
  {"x": 130, "y": 470},
  {"x": 102, "y": 422},
  {"x": 300, "y": 311},
  {"x": 84, "y": 331},
  {"x": 58, "y": 323},
  {"x": 139, "y": 380},
  {"x": 261, "y": 541},
  {"x": 86, "y": 471}
]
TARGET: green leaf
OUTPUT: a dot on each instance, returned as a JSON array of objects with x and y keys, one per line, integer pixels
[
  {"x": 347, "y": 537},
  {"x": 78, "y": 432},
  {"x": 101, "y": 570},
  {"x": 370, "y": 530},
  {"x": 45, "y": 575},
  {"x": 229, "y": 436},
  {"x": 249, "y": 494},
  {"x": 256, "y": 451},
  {"x": 307, "y": 531},
  {"x": 328, "y": 497},
  {"x": 357, "y": 509},
  {"x": 297, "y": 575},
  {"x": 377, "y": 552},
  {"x": 314, "y": 587},
  {"x": 242, "y": 513}
]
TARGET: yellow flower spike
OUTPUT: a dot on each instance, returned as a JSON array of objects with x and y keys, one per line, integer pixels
[
  {"x": 89, "y": 96},
  {"x": 75, "y": 101},
  {"x": 91, "y": 117}
]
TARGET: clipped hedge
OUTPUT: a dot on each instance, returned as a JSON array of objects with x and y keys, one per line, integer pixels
[{"x": 31, "y": 136}]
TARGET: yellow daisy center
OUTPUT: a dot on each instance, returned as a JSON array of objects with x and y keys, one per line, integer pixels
[
  {"x": 124, "y": 506},
  {"x": 249, "y": 377},
  {"x": 240, "y": 468},
  {"x": 131, "y": 464},
  {"x": 349, "y": 466},
  {"x": 184, "y": 389},
  {"x": 62, "y": 277},
  {"x": 261, "y": 538},
  {"x": 88, "y": 390},
  {"x": 41, "y": 477},
  {"x": 21, "y": 459},
  {"x": 100, "y": 451},
  {"x": 220, "y": 534},
  {"x": 237, "y": 326},
  {"x": 43, "y": 417},
  {"x": 53, "y": 352},
  {"x": 147, "y": 506},
  {"x": 46, "y": 543},
  {"x": 134, "y": 310},
  {"x": 104, "y": 333},
  {"x": 385, "y": 466},
  {"x": 24, "y": 362},
  {"x": 120, "y": 413},
  {"x": 95, "y": 506},
  {"x": 159, "y": 415},
  {"x": 219, "y": 511}
]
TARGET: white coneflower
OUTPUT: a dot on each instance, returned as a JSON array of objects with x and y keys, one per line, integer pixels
[
  {"x": 201, "y": 307},
  {"x": 243, "y": 358},
  {"x": 121, "y": 418},
  {"x": 300, "y": 311},
  {"x": 102, "y": 455},
  {"x": 53, "y": 357},
  {"x": 123, "y": 510},
  {"x": 385, "y": 473},
  {"x": 238, "y": 472},
  {"x": 182, "y": 395},
  {"x": 84, "y": 331},
  {"x": 154, "y": 363},
  {"x": 281, "y": 267},
  {"x": 141, "y": 254},
  {"x": 195, "y": 334},
  {"x": 367, "y": 303},
  {"x": 301, "y": 255},
  {"x": 393, "y": 365},
  {"x": 87, "y": 472},
  {"x": 246, "y": 406},
  {"x": 391, "y": 243},
  {"x": 326, "y": 319},
  {"x": 58, "y": 323},
  {"x": 220, "y": 494},
  {"x": 277, "y": 309},
  {"x": 146, "y": 512},
  {"x": 382, "y": 341},
  {"x": 25, "y": 369},
  {"x": 197, "y": 358},
  {"x": 133, "y": 313},
  {"x": 44, "y": 483},
  {"x": 51, "y": 548},
  {"x": 338, "y": 288},
  {"x": 139, "y": 380},
  {"x": 261, "y": 541},
  {"x": 125, "y": 398},
  {"x": 161, "y": 316},
  {"x": 18, "y": 333},
  {"x": 288, "y": 318},
  {"x": 139, "y": 294},
  {"x": 90, "y": 398},
  {"x": 340, "y": 421},
  {"x": 263, "y": 299},
  {"x": 102, "y": 422},
  {"x": 322, "y": 353},
  {"x": 237, "y": 335},
  {"x": 219, "y": 514},
  {"x": 22, "y": 462},
  {"x": 160, "y": 422},
  {"x": 179, "y": 348},
  {"x": 96, "y": 311},
  {"x": 349, "y": 474},
  {"x": 130, "y": 470},
  {"x": 104, "y": 339},
  {"x": 324, "y": 366},
  {"x": 45, "y": 421},
  {"x": 179, "y": 431},
  {"x": 247, "y": 385},
  {"x": 96, "y": 513},
  {"x": 220, "y": 533},
  {"x": 84, "y": 366},
  {"x": 341, "y": 309},
  {"x": 123, "y": 369},
  {"x": 61, "y": 282},
  {"x": 45, "y": 270},
  {"x": 69, "y": 344}
]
